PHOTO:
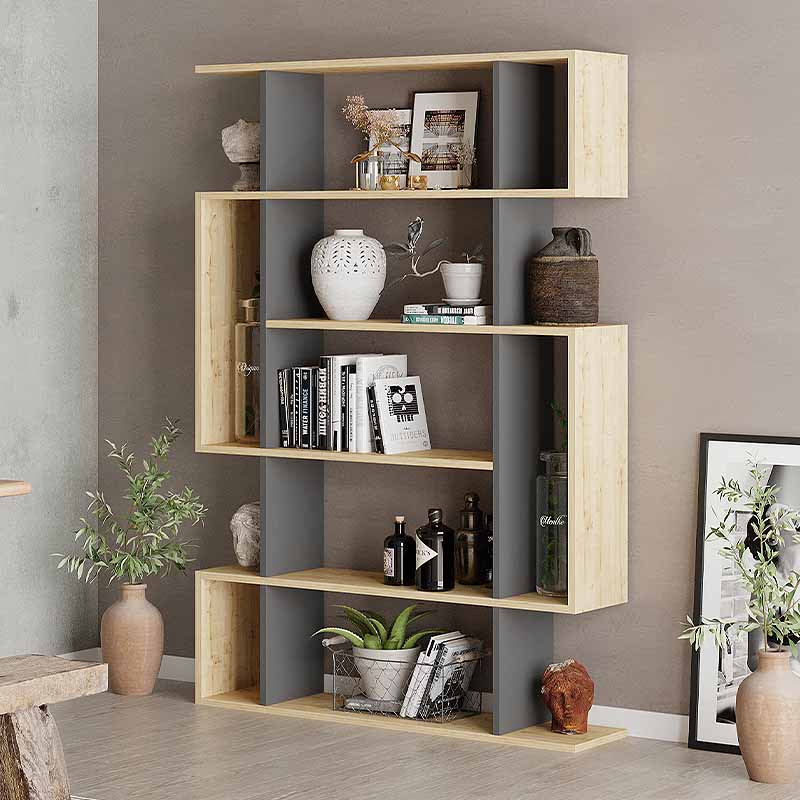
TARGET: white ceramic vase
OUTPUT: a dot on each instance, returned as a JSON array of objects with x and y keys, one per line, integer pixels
[
  {"x": 348, "y": 271},
  {"x": 385, "y": 673}
]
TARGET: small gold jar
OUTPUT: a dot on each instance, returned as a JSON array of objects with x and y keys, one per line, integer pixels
[
  {"x": 418, "y": 181},
  {"x": 390, "y": 182}
]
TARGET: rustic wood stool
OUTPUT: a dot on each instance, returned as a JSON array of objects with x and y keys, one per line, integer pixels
[{"x": 32, "y": 763}]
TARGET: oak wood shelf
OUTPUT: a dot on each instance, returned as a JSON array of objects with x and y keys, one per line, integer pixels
[
  {"x": 476, "y": 728},
  {"x": 395, "y": 326},
  {"x": 399, "y": 194},
  {"x": 370, "y": 584},
  {"x": 14, "y": 488}
]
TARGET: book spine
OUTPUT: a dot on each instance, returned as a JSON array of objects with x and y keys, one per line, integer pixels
[
  {"x": 322, "y": 407},
  {"x": 351, "y": 409},
  {"x": 443, "y": 319},
  {"x": 314, "y": 408},
  {"x": 343, "y": 394},
  {"x": 283, "y": 409},
  {"x": 372, "y": 408},
  {"x": 295, "y": 407},
  {"x": 305, "y": 408},
  {"x": 466, "y": 311}
]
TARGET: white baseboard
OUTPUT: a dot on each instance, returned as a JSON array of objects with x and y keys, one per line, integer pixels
[{"x": 644, "y": 724}]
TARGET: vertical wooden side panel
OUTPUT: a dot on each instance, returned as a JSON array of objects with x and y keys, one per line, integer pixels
[
  {"x": 598, "y": 467},
  {"x": 227, "y": 648},
  {"x": 226, "y": 262},
  {"x": 598, "y": 124}
]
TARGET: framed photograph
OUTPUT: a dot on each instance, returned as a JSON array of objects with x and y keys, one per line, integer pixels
[
  {"x": 718, "y": 672},
  {"x": 396, "y": 164},
  {"x": 442, "y": 121}
]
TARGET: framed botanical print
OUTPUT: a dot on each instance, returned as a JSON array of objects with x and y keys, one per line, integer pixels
[
  {"x": 717, "y": 672},
  {"x": 443, "y": 125}
]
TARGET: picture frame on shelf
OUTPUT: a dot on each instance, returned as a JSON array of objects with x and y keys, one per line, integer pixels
[
  {"x": 394, "y": 162},
  {"x": 442, "y": 123},
  {"x": 718, "y": 592}
]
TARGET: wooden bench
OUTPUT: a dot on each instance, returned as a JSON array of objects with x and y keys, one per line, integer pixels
[{"x": 32, "y": 763}]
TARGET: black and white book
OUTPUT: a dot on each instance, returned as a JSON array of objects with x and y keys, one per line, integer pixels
[
  {"x": 283, "y": 406},
  {"x": 451, "y": 676},
  {"x": 401, "y": 413},
  {"x": 444, "y": 319},
  {"x": 372, "y": 407},
  {"x": 368, "y": 369},
  {"x": 314, "y": 408},
  {"x": 322, "y": 408},
  {"x": 435, "y": 308},
  {"x": 423, "y": 672},
  {"x": 295, "y": 406},
  {"x": 305, "y": 407},
  {"x": 333, "y": 366},
  {"x": 352, "y": 401}
]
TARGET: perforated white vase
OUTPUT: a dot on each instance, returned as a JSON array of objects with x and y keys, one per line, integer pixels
[{"x": 348, "y": 271}]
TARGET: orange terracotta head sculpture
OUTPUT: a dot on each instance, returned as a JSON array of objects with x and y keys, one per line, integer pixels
[{"x": 569, "y": 693}]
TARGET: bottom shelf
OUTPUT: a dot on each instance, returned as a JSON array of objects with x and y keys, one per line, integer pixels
[{"x": 476, "y": 728}]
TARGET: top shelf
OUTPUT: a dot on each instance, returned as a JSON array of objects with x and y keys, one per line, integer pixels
[
  {"x": 397, "y": 64},
  {"x": 402, "y": 194}
]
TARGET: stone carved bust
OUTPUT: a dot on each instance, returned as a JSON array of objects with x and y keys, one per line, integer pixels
[{"x": 568, "y": 693}]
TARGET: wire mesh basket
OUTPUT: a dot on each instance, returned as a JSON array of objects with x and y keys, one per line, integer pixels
[{"x": 393, "y": 683}]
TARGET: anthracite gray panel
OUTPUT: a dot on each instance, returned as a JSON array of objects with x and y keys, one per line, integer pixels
[
  {"x": 292, "y": 131},
  {"x": 521, "y": 227},
  {"x": 523, "y": 389},
  {"x": 291, "y": 661},
  {"x": 523, "y": 130},
  {"x": 522, "y": 648}
]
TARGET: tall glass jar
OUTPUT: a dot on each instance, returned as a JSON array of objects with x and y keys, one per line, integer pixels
[
  {"x": 370, "y": 170},
  {"x": 247, "y": 386},
  {"x": 551, "y": 526}
]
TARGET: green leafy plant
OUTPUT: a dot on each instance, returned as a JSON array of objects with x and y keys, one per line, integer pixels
[
  {"x": 773, "y": 604},
  {"x": 145, "y": 542},
  {"x": 561, "y": 417},
  {"x": 375, "y": 633},
  {"x": 475, "y": 255}
]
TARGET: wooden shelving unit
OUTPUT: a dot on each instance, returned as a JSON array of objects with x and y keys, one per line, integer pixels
[{"x": 274, "y": 670}]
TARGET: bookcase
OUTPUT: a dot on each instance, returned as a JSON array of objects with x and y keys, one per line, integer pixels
[{"x": 557, "y": 129}]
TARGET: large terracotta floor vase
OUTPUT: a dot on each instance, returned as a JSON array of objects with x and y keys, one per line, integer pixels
[
  {"x": 132, "y": 640},
  {"x": 768, "y": 720}
]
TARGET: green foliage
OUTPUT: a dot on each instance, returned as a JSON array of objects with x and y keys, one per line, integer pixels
[
  {"x": 146, "y": 541},
  {"x": 773, "y": 605},
  {"x": 375, "y": 633},
  {"x": 562, "y": 423}
]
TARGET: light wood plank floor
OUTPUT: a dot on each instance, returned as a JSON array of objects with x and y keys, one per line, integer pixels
[{"x": 166, "y": 747}]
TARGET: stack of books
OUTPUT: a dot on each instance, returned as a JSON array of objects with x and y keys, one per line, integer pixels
[
  {"x": 442, "y": 314},
  {"x": 360, "y": 403}
]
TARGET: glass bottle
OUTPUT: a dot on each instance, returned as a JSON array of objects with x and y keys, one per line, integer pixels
[
  {"x": 247, "y": 386},
  {"x": 472, "y": 544},
  {"x": 435, "y": 554},
  {"x": 489, "y": 551},
  {"x": 370, "y": 170},
  {"x": 551, "y": 526},
  {"x": 399, "y": 556}
]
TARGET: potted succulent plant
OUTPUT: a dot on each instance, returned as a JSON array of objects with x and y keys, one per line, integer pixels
[
  {"x": 129, "y": 549},
  {"x": 384, "y": 653},
  {"x": 768, "y": 700}
]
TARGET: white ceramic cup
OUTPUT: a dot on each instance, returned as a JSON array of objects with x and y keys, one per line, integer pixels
[{"x": 461, "y": 281}]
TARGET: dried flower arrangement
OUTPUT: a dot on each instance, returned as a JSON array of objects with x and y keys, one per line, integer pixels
[{"x": 379, "y": 125}]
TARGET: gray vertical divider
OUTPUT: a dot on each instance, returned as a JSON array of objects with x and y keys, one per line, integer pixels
[
  {"x": 292, "y": 492},
  {"x": 522, "y": 381}
]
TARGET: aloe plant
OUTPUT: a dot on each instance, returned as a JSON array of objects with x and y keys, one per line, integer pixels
[{"x": 375, "y": 633}]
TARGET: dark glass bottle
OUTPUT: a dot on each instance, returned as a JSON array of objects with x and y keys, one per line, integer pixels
[
  {"x": 399, "y": 556},
  {"x": 472, "y": 544},
  {"x": 436, "y": 557}
]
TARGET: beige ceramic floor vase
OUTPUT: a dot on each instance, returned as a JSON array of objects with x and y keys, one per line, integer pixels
[
  {"x": 768, "y": 720},
  {"x": 132, "y": 639}
]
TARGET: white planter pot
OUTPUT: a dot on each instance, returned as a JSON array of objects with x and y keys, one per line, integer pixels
[
  {"x": 385, "y": 673},
  {"x": 348, "y": 272}
]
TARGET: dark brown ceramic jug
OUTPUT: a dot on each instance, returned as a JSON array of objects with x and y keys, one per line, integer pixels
[{"x": 564, "y": 280}]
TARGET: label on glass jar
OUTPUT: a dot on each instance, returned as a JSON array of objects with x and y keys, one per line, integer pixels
[
  {"x": 546, "y": 520},
  {"x": 424, "y": 553},
  {"x": 388, "y": 562}
]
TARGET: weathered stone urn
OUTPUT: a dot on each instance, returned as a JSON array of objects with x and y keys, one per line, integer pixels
[
  {"x": 568, "y": 693},
  {"x": 242, "y": 144},
  {"x": 768, "y": 719}
]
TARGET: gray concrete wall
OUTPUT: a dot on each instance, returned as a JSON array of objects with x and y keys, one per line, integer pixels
[
  {"x": 698, "y": 260},
  {"x": 48, "y": 315}
]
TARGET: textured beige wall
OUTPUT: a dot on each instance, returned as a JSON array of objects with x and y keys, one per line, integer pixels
[{"x": 698, "y": 260}]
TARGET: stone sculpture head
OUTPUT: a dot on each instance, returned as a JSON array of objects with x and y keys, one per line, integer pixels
[{"x": 568, "y": 693}]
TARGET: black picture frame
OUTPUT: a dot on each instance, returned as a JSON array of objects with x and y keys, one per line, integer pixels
[{"x": 695, "y": 742}]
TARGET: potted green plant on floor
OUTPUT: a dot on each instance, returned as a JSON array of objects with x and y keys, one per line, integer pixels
[
  {"x": 383, "y": 653},
  {"x": 768, "y": 700},
  {"x": 143, "y": 543}
]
